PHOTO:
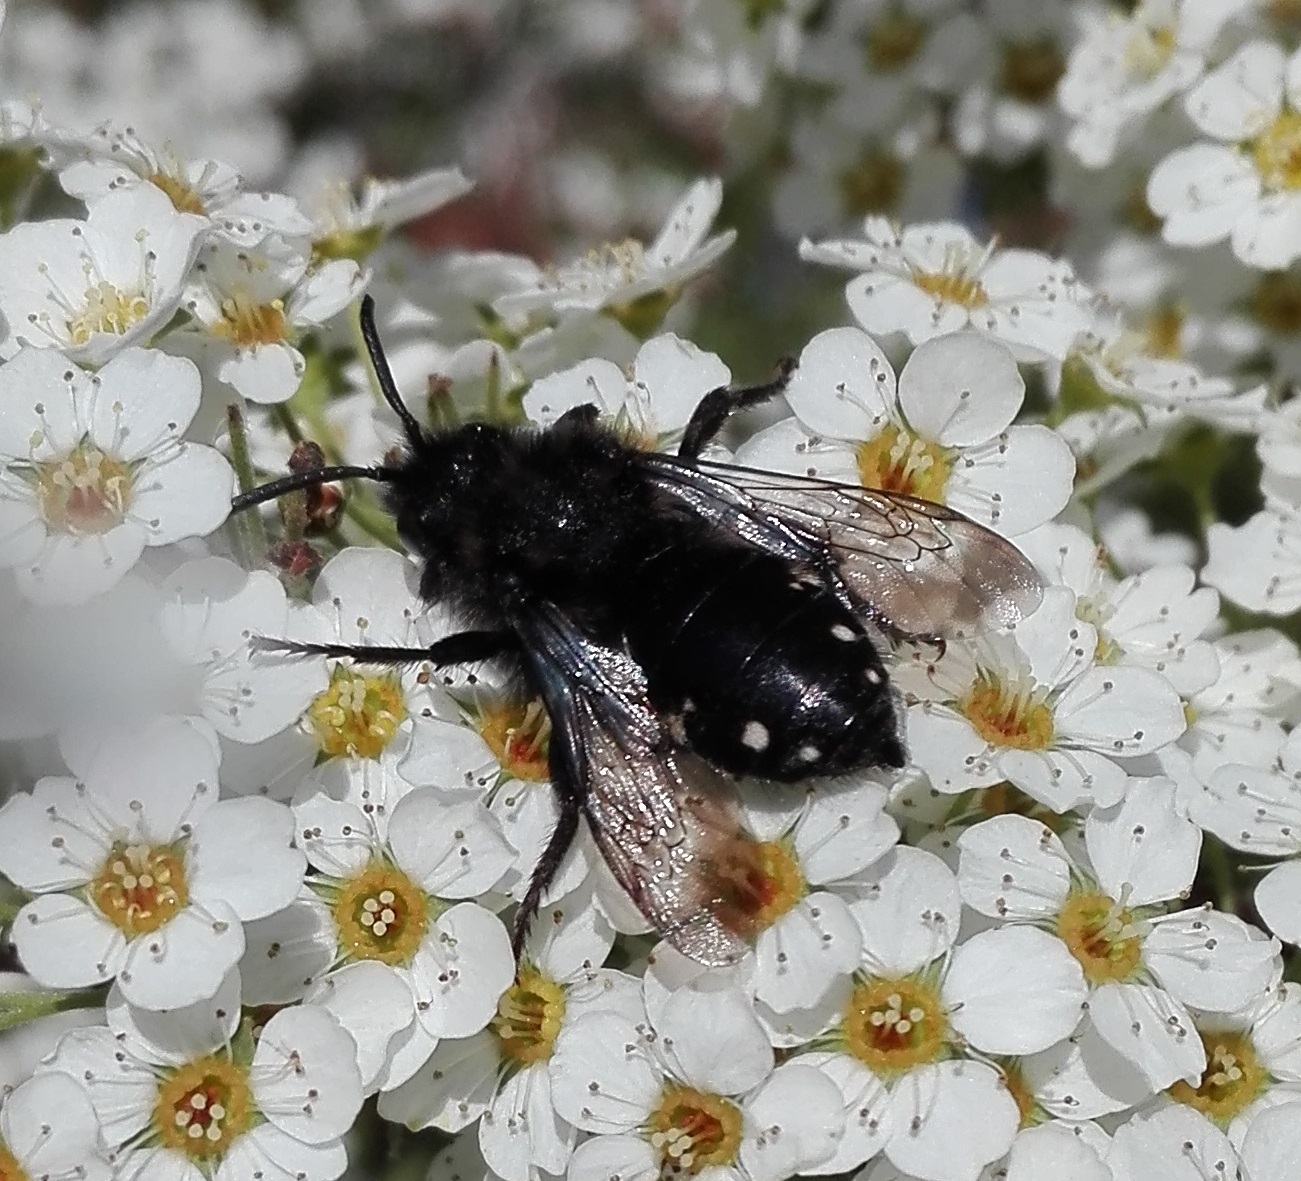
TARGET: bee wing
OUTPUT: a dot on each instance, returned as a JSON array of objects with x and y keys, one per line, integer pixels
[
  {"x": 921, "y": 568},
  {"x": 665, "y": 822}
]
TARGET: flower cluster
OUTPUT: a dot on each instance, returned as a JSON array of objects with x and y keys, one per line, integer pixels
[{"x": 256, "y": 905}]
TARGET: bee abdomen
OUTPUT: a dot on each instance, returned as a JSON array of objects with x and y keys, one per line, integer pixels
[{"x": 756, "y": 665}]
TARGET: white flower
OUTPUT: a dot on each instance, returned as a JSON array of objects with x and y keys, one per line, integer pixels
[
  {"x": 1243, "y": 188},
  {"x": 1253, "y": 1064},
  {"x": 48, "y": 1129},
  {"x": 792, "y": 888},
  {"x": 93, "y": 287},
  {"x": 1269, "y": 1150},
  {"x": 1258, "y": 564},
  {"x": 1037, "y": 710},
  {"x": 95, "y": 467},
  {"x": 877, "y": 59},
  {"x": 1060, "y": 1151},
  {"x": 694, "y": 1092},
  {"x": 1142, "y": 966},
  {"x": 357, "y": 730},
  {"x": 254, "y": 302},
  {"x": 1116, "y": 363},
  {"x": 348, "y": 226},
  {"x": 503, "y": 1073},
  {"x": 1175, "y": 1144},
  {"x": 140, "y": 873},
  {"x": 723, "y": 53},
  {"x": 1151, "y": 620},
  {"x": 397, "y": 903},
  {"x": 908, "y": 1042},
  {"x": 1237, "y": 718},
  {"x": 113, "y": 159},
  {"x": 211, "y": 608},
  {"x": 669, "y": 377},
  {"x": 837, "y": 175},
  {"x": 199, "y": 1092},
  {"x": 930, "y": 279},
  {"x": 618, "y": 276},
  {"x": 941, "y": 432},
  {"x": 1124, "y": 69},
  {"x": 1004, "y": 66},
  {"x": 1258, "y": 809},
  {"x": 481, "y": 735}
]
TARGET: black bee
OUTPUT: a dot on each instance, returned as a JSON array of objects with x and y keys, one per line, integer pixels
[{"x": 682, "y": 621}]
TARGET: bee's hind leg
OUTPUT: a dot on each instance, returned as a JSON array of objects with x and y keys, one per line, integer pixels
[
  {"x": 548, "y": 865},
  {"x": 462, "y": 648},
  {"x": 717, "y": 406}
]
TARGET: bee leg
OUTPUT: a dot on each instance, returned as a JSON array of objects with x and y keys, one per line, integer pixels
[
  {"x": 462, "y": 648},
  {"x": 717, "y": 406},
  {"x": 899, "y": 636},
  {"x": 548, "y": 865}
]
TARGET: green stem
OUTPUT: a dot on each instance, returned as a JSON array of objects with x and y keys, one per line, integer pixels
[
  {"x": 288, "y": 423},
  {"x": 362, "y": 509},
  {"x": 18, "y": 1008},
  {"x": 249, "y": 533},
  {"x": 1215, "y": 856}
]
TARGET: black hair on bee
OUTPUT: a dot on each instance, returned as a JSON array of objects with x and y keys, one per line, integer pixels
[{"x": 683, "y": 622}]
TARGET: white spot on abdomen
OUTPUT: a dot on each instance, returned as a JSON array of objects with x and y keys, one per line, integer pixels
[
  {"x": 841, "y": 632},
  {"x": 755, "y": 736},
  {"x": 809, "y": 754}
]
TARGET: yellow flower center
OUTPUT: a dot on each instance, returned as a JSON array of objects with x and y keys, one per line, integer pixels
[
  {"x": 1148, "y": 49},
  {"x": 1233, "y": 1079},
  {"x": 140, "y": 887},
  {"x": 1276, "y": 303},
  {"x": 1030, "y": 70},
  {"x": 357, "y": 713},
  {"x": 873, "y": 183},
  {"x": 182, "y": 194},
  {"x": 1096, "y": 613},
  {"x": 358, "y": 244},
  {"x": 952, "y": 287},
  {"x": 528, "y": 1017},
  {"x": 1008, "y": 715},
  {"x": 107, "y": 310},
  {"x": 519, "y": 734},
  {"x": 381, "y": 915},
  {"x": 896, "y": 460},
  {"x": 1277, "y": 153},
  {"x": 1100, "y": 933},
  {"x": 1163, "y": 330},
  {"x": 87, "y": 491},
  {"x": 1022, "y": 1095},
  {"x": 203, "y": 1106},
  {"x": 10, "y": 1169},
  {"x": 247, "y": 324},
  {"x": 756, "y": 883},
  {"x": 694, "y": 1130},
  {"x": 893, "y": 41},
  {"x": 893, "y": 1026}
]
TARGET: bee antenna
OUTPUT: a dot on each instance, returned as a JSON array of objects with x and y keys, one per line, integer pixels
[
  {"x": 383, "y": 374},
  {"x": 309, "y": 479}
]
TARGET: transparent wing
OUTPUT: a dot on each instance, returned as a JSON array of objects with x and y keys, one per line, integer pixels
[
  {"x": 921, "y": 568},
  {"x": 666, "y": 823}
]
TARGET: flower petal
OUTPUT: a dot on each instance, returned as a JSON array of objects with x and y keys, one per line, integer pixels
[{"x": 960, "y": 389}]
